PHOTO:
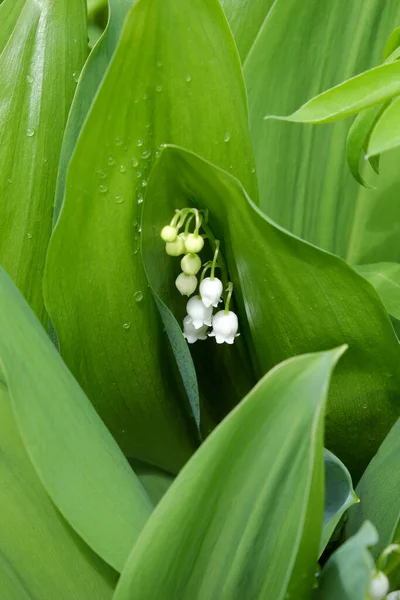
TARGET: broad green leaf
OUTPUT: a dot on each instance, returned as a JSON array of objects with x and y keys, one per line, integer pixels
[
  {"x": 9, "y": 13},
  {"x": 339, "y": 495},
  {"x": 186, "y": 87},
  {"x": 392, "y": 44},
  {"x": 386, "y": 133},
  {"x": 88, "y": 84},
  {"x": 379, "y": 493},
  {"x": 154, "y": 481},
  {"x": 357, "y": 140},
  {"x": 41, "y": 556},
  {"x": 348, "y": 572},
  {"x": 77, "y": 460},
  {"x": 217, "y": 533},
  {"x": 246, "y": 17},
  {"x": 385, "y": 277},
  {"x": 291, "y": 298},
  {"x": 305, "y": 184},
  {"x": 350, "y": 97},
  {"x": 46, "y": 48}
]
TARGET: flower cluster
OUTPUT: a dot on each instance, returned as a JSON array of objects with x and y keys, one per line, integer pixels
[{"x": 199, "y": 308}]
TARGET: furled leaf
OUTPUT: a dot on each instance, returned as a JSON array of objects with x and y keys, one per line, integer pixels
[
  {"x": 246, "y": 17},
  {"x": 47, "y": 46},
  {"x": 80, "y": 465},
  {"x": 291, "y": 297},
  {"x": 357, "y": 139},
  {"x": 339, "y": 495},
  {"x": 305, "y": 184},
  {"x": 41, "y": 556},
  {"x": 386, "y": 133},
  {"x": 379, "y": 493},
  {"x": 348, "y": 98},
  {"x": 385, "y": 277},
  {"x": 89, "y": 81},
  {"x": 187, "y": 88},
  {"x": 218, "y": 533},
  {"x": 154, "y": 481},
  {"x": 348, "y": 572}
]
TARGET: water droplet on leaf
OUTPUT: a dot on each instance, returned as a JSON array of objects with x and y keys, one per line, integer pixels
[
  {"x": 30, "y": 132},
  {"x": 144, "y": 182},
  {"x": 139, "y": 199},
  {"x": 138, "y": 296},
  {"x": 159, "y": 63},
  {"x": 135, "y": 162},
  {"x": 119, "y": 199},
  {"x": 188, "y": 78},
  {"x": 227, "y": 136},
  {"x": 9, "y": 180},
  {"x": 118, "y": 141},
  {"x": 29, "y": 78},
  {"x": 111, "y": 161},
  {"x": 126, "y": 326},
  {"x": 139, "y": 174},
  {"x": 29, "y": 235},
  {"x": 158, "y": 88},
  {"x": 139, "y": 143},
  {"x": 75, "y": 76},
  {"x": 103, "y": 189},
  {"x": 122, "y": 168},
  {"x": 146, "y": 154}
]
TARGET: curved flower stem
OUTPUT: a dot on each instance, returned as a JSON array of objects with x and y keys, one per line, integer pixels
[
  {"x": 213, "y": 242},
  {"x": 229, "y": 289},
  {"x": 205, "y": 269},
  {"x": 214, "y": 260}
]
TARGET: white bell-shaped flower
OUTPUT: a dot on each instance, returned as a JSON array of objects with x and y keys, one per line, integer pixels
[
  {"x": 175, "y": 248},
  {"x": 224, "y": 327},
  {"x": 191, "y": 333},
  {"x": 211, "y": 291},
  {"x": 186, "y": 284},
  {"x": 200, "y": 314},
  {"x": 379, "y": 586},
  {"x": 194, "y": 243},
  {"x": 169, "y": 233}
]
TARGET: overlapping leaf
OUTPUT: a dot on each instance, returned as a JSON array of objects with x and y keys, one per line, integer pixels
[
  {"x": 305, "y": 184},
  {"x": 385, "y": 277},
  {"x": 291, "y": 298},
  {"x": 78, "y": 462},
  {"x": 46, "y": 47},
  {"x": 187, "y": 88},
  {"x": 218, "y": 533}
]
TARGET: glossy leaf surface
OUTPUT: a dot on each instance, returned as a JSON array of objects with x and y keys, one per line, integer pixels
[{"x": 385, "y": 277}]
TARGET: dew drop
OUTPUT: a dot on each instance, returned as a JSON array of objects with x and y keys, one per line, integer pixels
[
  {"x": 44, "y": 159},
  {"x": 145, "y": 96},
  {"x": 139, "y": 199},
  {"x": 103, "y": 189},
  {"x": 75, "y": 76},
  {"x": 144, "y": 182},
  {"x": 9, "y": 180},
  {"x": 29, "y": 235},
  {"x": 139, "y": 143},
  {"x": 146, "y": 154},
  {"x": 30, "y": 132},
  {"x": 139, "y": 229},
  {"x": 253, "y": 170},
  {"x": 135, "y": 162},
  {"x": 139, "y": 174},
  {"x": 158, "y": 88},
  {"x": 138, "y": 296},
  {"x": 157, "y": 153},
  {"x": 102, "y": 174},
  {"x": 29, "y": 78},
  {"x": 188, "y": 78},
  {"x": 231, "y": 167},
  {"x": 118, "y": 141},
  {"x": 122, "y": 168},
  {"x": 135, "y": 223},
  {"x": 159, "y": 63},
  {"x": 111, "y": 161},
  {"x": 126, "y": 326},
  {"x": 227, "y": 136},
  {"x": 119, "y": 199}
]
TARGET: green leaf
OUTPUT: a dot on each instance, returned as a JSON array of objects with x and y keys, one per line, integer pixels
[
  {"x": 339, "y": 495},
  {"x": 386, "y": 133},
  {"x": 154, "y": 481},
  {"x": 186, "y": 88},
  {"x": 46, "y": 47},
  {"x": 348, "y": 572},
  {"x": 246, "y": 18},
  {"x": 201, "y": 543},
  {"x": 77, "y": 460},
  {"x": 291, "y": 298},
  {"x": 357, "y": 140},
  {"x": 348, "y": 98},
  {"x": 41, "y": 556},
  {"x": 305, "y": 184},
  {"x": 385, "y": 277},
  {"x": 392, "y": 44},
  {"x": 89, "y": 82},
  {"x": 379, "y": 492}
]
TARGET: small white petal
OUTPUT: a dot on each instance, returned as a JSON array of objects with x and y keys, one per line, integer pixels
[
  {"x": 379, "y": 586},
  {"x": 211, "y": 291},
  {"x": 225, "y": 327},
  {"x": 200, "y": 314}
]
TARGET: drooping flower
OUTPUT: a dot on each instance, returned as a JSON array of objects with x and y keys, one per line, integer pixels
[
  {"x": 379, "y": 586},
  {"x": 175, "y": 248},
  {"x": 191, "y": 264},
  {"x": 186, "y": 284},
  {"x": 200, "y": 314},
  {"x": 224, "y": 327},
  {"x": 191, "y": 333},
  {"x": 194, "y": 243},
  {"x": 169, "y": 233},
  {"x": 211, "y": 291}
]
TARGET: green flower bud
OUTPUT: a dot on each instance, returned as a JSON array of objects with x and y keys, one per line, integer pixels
[
  {"x": 194, "y": 243},
  {"x": 169, "y": 234},
  {"x": 191, "y": 264},
  {"x": 186, "y": 284},
  {"x": 175, "y": 248}
]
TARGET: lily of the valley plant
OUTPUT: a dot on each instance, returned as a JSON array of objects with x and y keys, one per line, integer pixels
[{"x": 199, "y": 364}]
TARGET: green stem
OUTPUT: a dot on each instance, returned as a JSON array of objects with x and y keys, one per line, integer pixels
[
  {"x": 229, "y": 289},
  {"x": 214, "y": 261},
  {"x": 205, "y": 269}
]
